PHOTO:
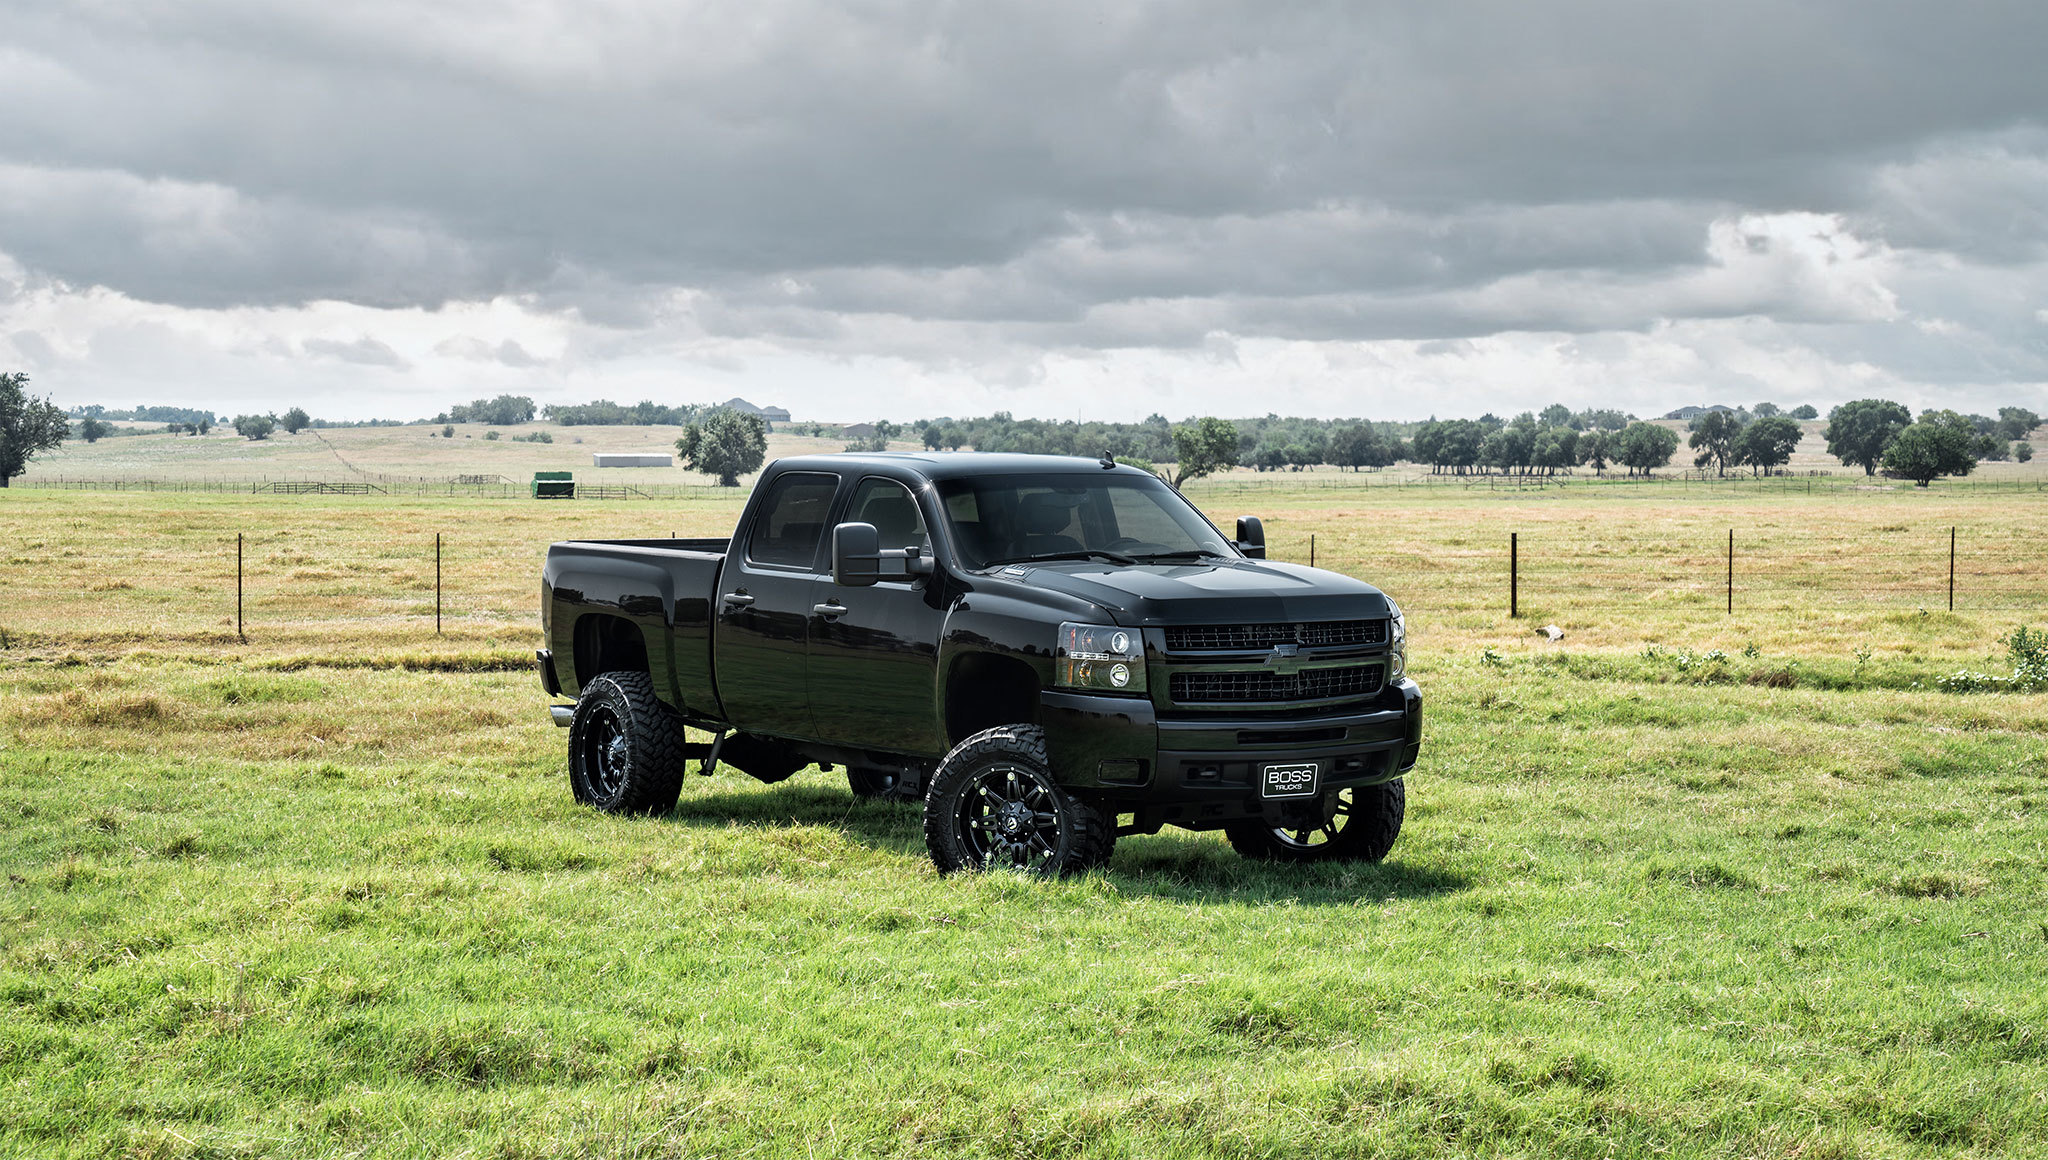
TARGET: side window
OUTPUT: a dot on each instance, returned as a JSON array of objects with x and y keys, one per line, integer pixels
[
  {"x": 792, "y": 520},
  {"x": 889, "y": 506}
]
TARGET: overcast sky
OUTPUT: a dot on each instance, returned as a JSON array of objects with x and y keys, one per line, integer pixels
[{"x": 1100, "y": 210}]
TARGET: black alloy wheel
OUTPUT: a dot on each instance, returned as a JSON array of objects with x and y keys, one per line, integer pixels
[
  {"x": 1355, "y": 825},
  {"x": 994, "y": 804},
  {"x": 625, "y": 747}
]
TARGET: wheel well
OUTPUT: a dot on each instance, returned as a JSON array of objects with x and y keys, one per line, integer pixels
[
  {"x": 608, "y": 644},
  {"x": 985, "y": 690}
]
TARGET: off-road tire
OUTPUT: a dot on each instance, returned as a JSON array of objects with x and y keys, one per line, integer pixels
[
  {"x": 625, "y": 747},
  {"x": 1052, "y": 831},
  {"x": 1364, "y": 829}
]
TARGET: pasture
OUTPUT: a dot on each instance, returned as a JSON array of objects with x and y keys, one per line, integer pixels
[{"x": 1681, "y": 883}]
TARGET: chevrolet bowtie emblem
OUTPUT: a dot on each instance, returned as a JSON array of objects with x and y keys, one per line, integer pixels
[{"x": 1284, "y": 659}]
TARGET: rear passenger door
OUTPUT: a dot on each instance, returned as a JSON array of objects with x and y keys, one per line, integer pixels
[{"x": 773, "y": 576}]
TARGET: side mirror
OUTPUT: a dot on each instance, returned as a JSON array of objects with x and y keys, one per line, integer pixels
[
  {"x": 856, "y": 555},
  {"x": 1251, "y": 537}
]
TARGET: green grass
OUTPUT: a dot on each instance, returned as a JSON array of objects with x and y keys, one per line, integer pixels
[
  {"x": 325, "y": 893},
  {"x": 338, "y": 911}
]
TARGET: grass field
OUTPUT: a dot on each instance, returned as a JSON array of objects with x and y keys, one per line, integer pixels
[{"x": 324, "y": 893}]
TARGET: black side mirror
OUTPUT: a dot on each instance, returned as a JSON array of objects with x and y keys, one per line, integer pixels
[
  {"x": 856, "y": 555},
  {"x": 1251, "y": 537}
]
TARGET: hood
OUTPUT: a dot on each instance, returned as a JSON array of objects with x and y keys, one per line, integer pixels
[{"x": 1209, "y": 592}]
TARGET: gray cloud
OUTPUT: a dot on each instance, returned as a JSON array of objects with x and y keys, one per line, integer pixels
[
  {"x": 979, "y": 185},
  {"x": 363, "y": 351}
]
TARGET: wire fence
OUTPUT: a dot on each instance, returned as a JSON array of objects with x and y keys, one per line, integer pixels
[
  {"x": 475, "y": 582},
  {"x": 625, "y": 487}
]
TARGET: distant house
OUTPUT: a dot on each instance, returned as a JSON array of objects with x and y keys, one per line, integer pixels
[
  {"x": 772, "y": 414},
  {"x": 1695, "y": 412},
  {"x": 858, "y": 430}
]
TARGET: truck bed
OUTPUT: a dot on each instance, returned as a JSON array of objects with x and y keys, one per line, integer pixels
[{"x": 666, "y": 588}]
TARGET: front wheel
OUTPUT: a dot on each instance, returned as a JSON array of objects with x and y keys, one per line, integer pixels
[
  {"x": 625, "y": 747},
  {"x": 994, "y": 803},
  {"x": 1353, "y": 825}
]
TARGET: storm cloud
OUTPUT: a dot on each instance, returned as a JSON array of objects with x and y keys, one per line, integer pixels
[{"x": 929, "y": 200}]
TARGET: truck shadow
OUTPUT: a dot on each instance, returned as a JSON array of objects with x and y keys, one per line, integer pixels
[{"x": 1170, "y": 865}]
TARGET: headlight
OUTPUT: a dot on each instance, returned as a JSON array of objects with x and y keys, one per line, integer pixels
[
  {"x": 1099, "y": 656},
  {"x": 1397, "y": 642}
]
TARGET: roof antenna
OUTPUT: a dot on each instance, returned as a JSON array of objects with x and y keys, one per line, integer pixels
[{"x": 1108, "y": 460}]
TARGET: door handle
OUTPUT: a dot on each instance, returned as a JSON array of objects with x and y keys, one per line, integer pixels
[
  {"x": 829, "y": 610},
  {"x": 739, "y": 598}
]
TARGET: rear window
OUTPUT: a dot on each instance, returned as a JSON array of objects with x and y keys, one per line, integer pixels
[{"x": 792, "y": 520}]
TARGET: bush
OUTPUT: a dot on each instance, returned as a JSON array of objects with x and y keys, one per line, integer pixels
[
  {"x": 255, "y": 426},
  {"x": 2028, "y": 652}
]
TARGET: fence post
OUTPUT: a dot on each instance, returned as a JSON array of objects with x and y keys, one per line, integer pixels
[
  {"x": 1951, "y": 567},
  {"x": 437, "y": 584},
  {"x": 1311, "y": 549},
  {"x": 238, "y": 589},
  {"x": 1514, "y": 575},
  {"x": 1731, "y": 571}
]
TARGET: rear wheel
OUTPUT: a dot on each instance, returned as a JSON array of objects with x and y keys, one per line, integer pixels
[
  {"x": 625, "y": 747},
  {"x": 875, "y": 784},
  {"x": 994, "y": 803},
  {"x": 1353, "y": 825}
]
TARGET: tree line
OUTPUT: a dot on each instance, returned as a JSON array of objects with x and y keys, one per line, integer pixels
[{"x": 1875, "y": 434}]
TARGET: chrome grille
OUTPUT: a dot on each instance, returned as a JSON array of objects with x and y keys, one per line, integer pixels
[
  {"x": 1257, "y": 688},
  {"x": 1258, "y": 637}
]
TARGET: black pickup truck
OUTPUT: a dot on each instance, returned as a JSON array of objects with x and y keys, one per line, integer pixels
[{"x": 1037, "y": 648}]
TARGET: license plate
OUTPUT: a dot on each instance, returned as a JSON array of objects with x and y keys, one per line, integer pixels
[{"x": 1286, "y": 781}]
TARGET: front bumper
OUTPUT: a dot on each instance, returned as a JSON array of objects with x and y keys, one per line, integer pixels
[{"x": 1204, "y": 771}]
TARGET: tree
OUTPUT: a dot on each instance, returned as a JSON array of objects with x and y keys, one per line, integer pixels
[
  {"x": 1359, "y": 446},
  {"x": 1859, "y": 432},
  {"x": 1713, "y": 436},
  {"x": 1555, "y": 415},
  {"x": 1596, "y": 448},
  {"x": 1769, "y": 442},
  {"x": 94, "y": 429},
  {"x": 205, "y": 424},
  {"x": 727, "y": 444},
  {"x": 503, "y": 411},
  {"x": 1764, "y": 410},
  {"x": 1991, "y": 448},
  {"x": 294, "y": 420},
  {"x": 26, "y": 426},
  {"x": 2023, "y": 451},
  {"x": 933, "y": 437},
  {"x": 2017, "y": 422},
  {"x": 1203, "y": 447},
  {"x": 255, "y": 426},
  {"x": 1805, "y": 411},
  {"x": 1556, "y": 449},
  {"x": 1645, "y": 447},
  {"x": 1939, "y": 444}
]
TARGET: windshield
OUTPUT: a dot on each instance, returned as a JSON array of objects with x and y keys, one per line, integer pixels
[{"x": 1001, "y": 519}]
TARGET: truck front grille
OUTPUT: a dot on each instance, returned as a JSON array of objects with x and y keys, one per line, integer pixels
[
  {"x": 1259, "y": 637},
  {"x": 1199, "y": 688}
]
